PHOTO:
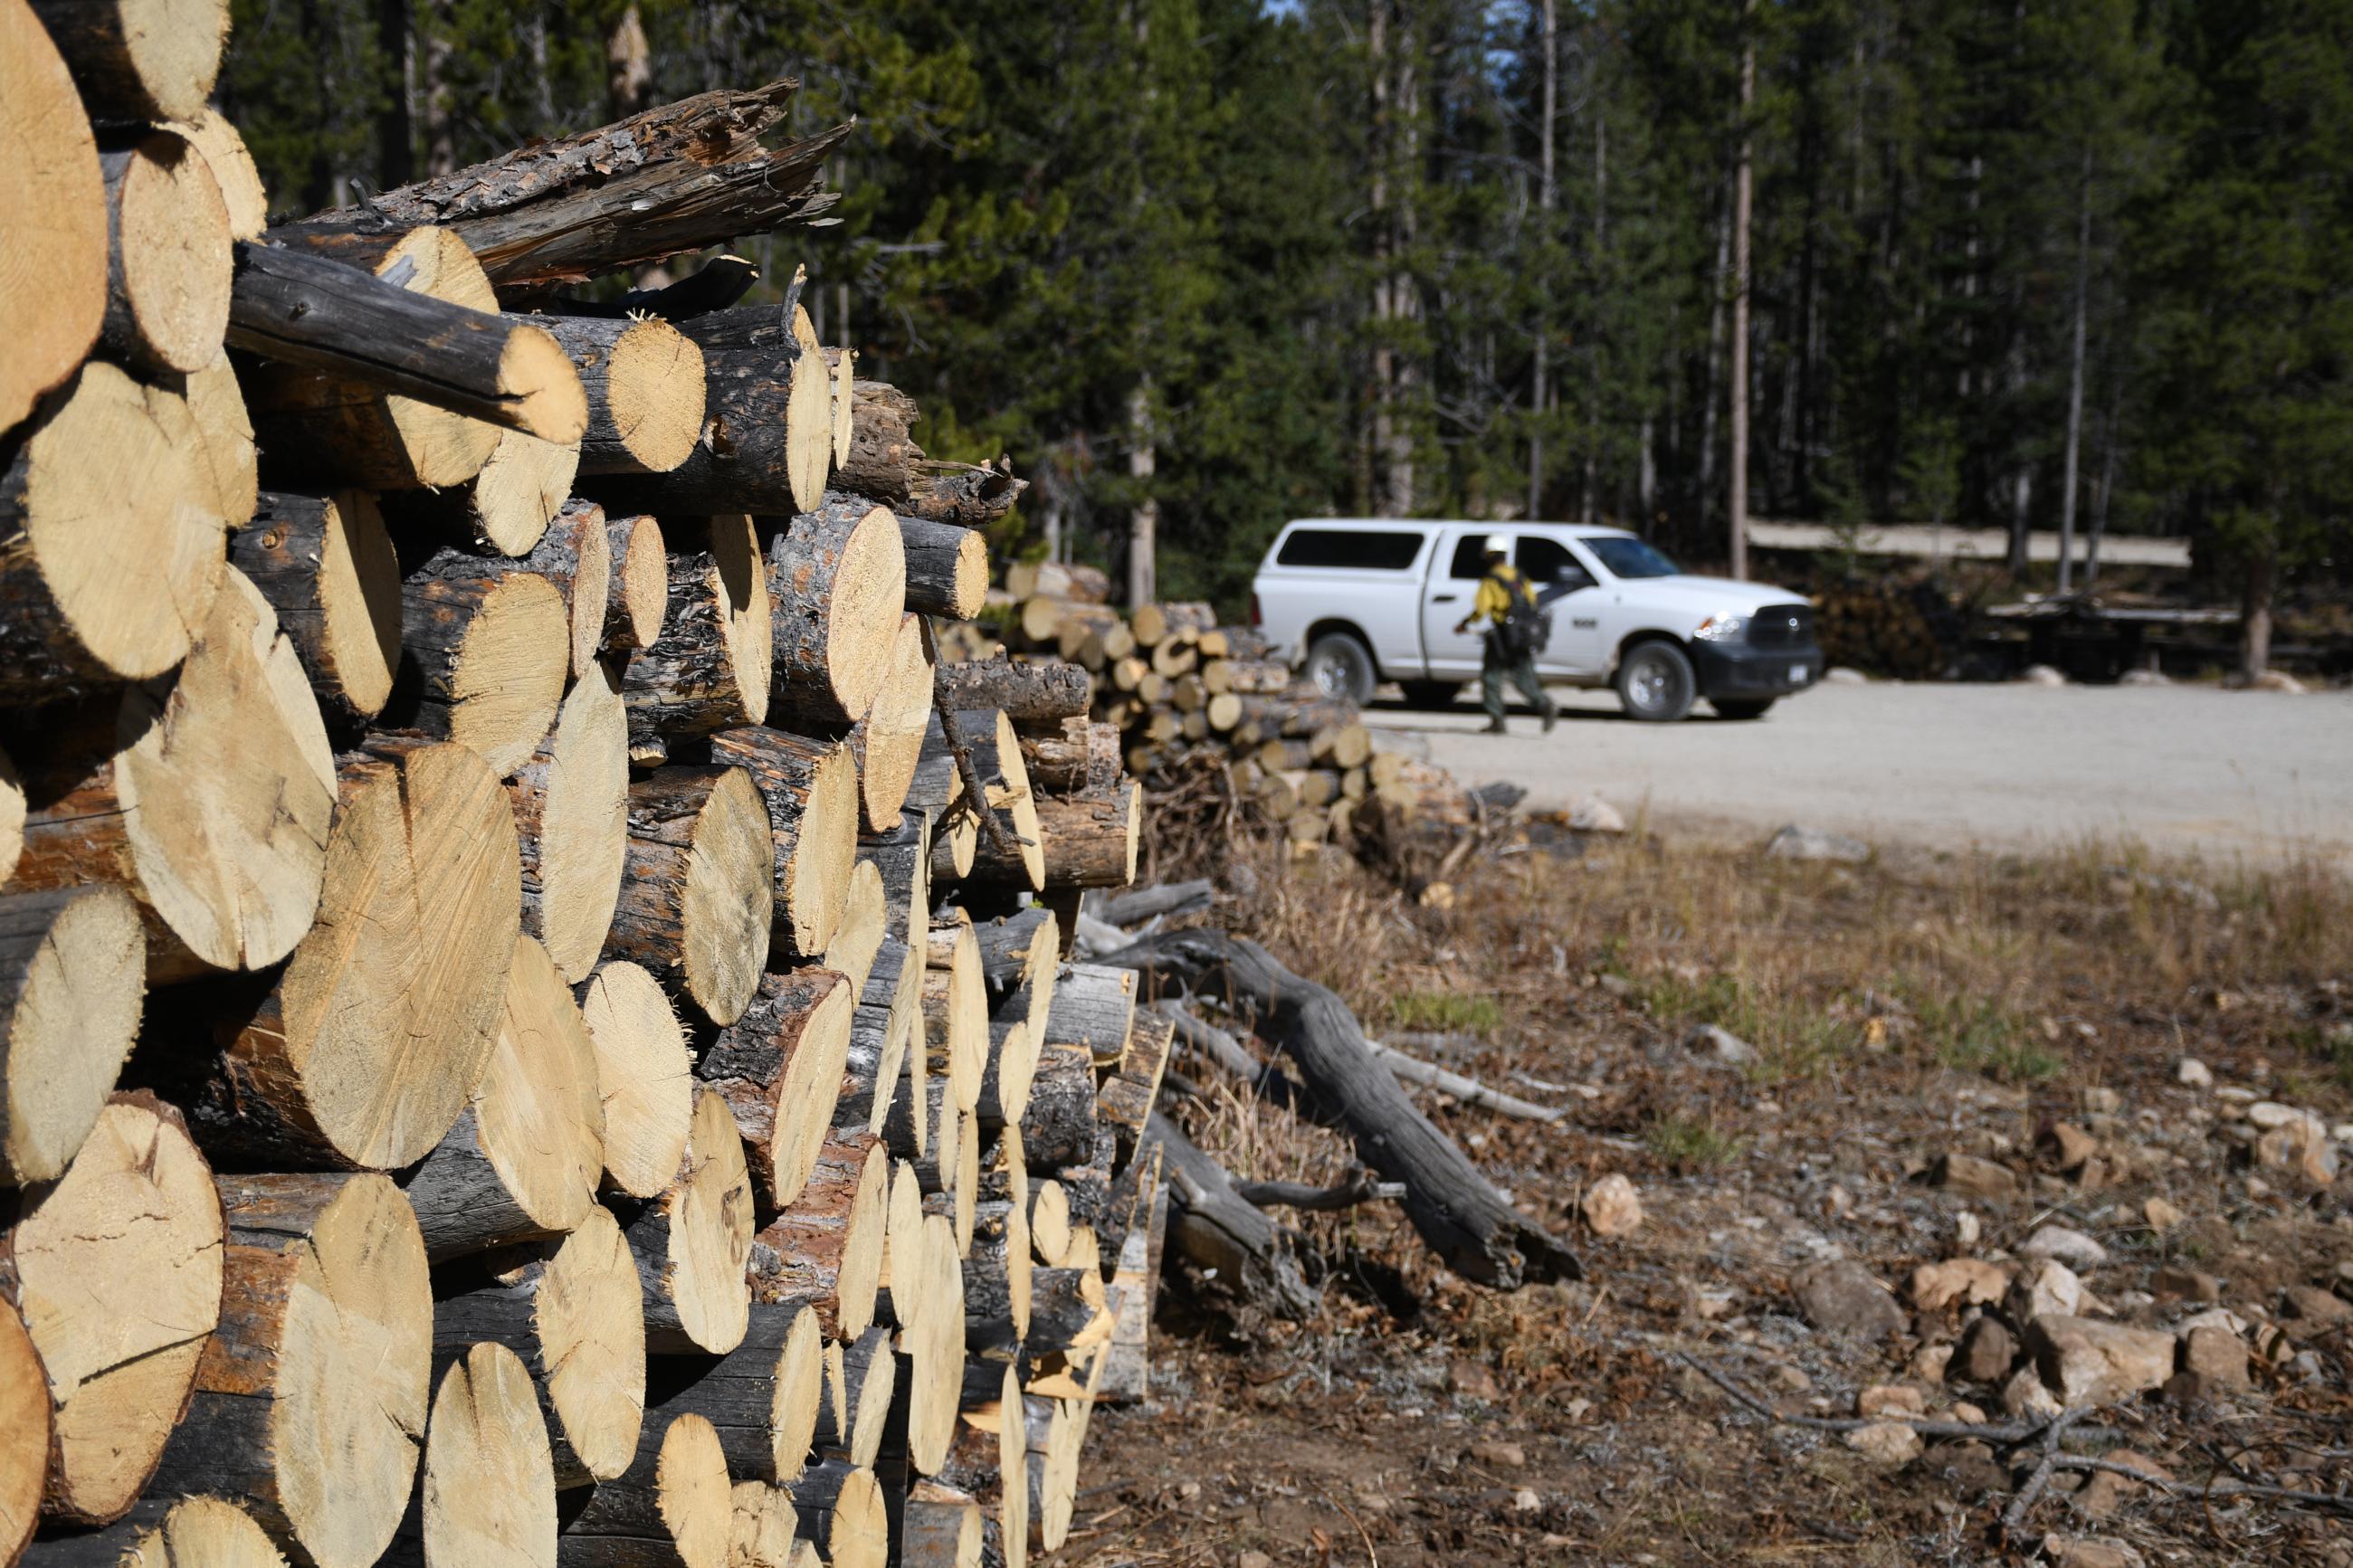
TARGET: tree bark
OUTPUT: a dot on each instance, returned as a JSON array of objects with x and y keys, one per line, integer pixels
[
  {"x": 825, "y": 1251},
  {"x": 1092, "y": 841},
  {"x": 1737, "y": 507},
  {"x": 2076, "y": 377},
  {"x": 884, "y": 462},
  {"x": 1029, "y": 691},
  {"x": 708, "y": 669},
  {"x": 1058, "y": 1125},
  {"x": 948, "y": 568},
  {"x": 779, "y": 1069},
  {"x": 310, "y": 1402}
]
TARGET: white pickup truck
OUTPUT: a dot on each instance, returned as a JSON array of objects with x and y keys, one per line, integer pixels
[{"x": 1359, "y": 601}]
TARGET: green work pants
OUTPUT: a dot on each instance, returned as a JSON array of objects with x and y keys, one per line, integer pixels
[{"x": 1522, "y": 673}]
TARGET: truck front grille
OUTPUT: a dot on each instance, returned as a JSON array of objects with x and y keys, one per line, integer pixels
[{"x": 1782, "y": 626}]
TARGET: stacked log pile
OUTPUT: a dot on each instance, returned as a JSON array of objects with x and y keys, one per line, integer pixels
[
  {"x": 535, "y": 1022},
  {"x": 1205, "y": 711}
]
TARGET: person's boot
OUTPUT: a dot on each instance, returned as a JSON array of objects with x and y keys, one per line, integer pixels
[
  {"x": 1551, "y": 716},
  {"x": 1495, "y": 727}
]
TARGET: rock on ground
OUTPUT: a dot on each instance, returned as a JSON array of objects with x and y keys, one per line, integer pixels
[
  {"x": 1958, "y": 1282},
  {"x": 1987, "y": 1351},
  {"x": 1841, "y": 1297},
  {"x": 1709, "y": 1040},
  {"x": 2069, "y": 1245},
  {"x": 2088, "y": 1363},
  {"x": 1611, "y": 1207},
  {"x": 1798, "y": 842},
  {"x": 1888, "y": 1443}
]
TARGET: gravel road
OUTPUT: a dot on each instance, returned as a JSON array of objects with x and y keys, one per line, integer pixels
[{"x": 2223, "y": 774}]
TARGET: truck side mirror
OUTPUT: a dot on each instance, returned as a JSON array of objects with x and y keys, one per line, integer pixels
[{"x": 1573, "y": 576}]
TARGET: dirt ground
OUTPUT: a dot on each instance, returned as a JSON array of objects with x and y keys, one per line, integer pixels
[{"x": 1898, "y": 1010}]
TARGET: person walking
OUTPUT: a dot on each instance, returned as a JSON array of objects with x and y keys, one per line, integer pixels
[{"x": 1507, "y": 603}]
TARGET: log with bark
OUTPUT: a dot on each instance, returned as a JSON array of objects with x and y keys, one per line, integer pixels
[
  {"x": 644, "y": 382},
  {"x": 326, "y": 565},
  {"x": 505, "y": 507},
  {"x": 139, "y": 59},
  {"x": 947, "y": 571},
  {"x": 1014, "y": 855},
  {"x": 842, "y": 1509},
  {"x": 693, "y": 1241},
  {"x": 695, "y": 904},
  {"x": 112, "y": 565},
  {"x": 1058, "y": 1124},
  {"x": 639, "y": 597},
  {"x": 889, "y": 740},
  {"x": 210, "y": 133},
  {"x": 1029, "y": 691},
  {"x": 484, "y": 652},
  {"x": 310, "y": 1404},
  {"x": 762, "y": 1398},
  {"x": 940, "y": 1528},
  {"x": 884, "y": 1032},
  {"x": 997, "y": 1281},
  {"x": 207, "y": 796},
  {"x": 885, "y": 462},
  {"x": 571, "y": 812},
  {"x": 766, "y": 444},
  {"x": 811, "y": 790},
  {"x": 855, "y": 1419},
  {"x": 709, "y": 669},
  {"x": 50, "y": 309},
  {"x": 522, "y": 1158},
  {"x": 376, "y": 1034},
  {"x": 115, "y": 1270},
  {"x": 778, "y": 1067},
  {"x": 670, "y": 180},
  {"x": 168, "y": 264},
  {"x": 489, "y": 1480},
  {"x": 1459, "y": 1214},
  {"x": 572, "y": 1311},
  {"x": 73, "y": 966},
  {"x": 1094, "y": 837},
  {"x": 645, "y": 1077},
  {"x": 1093, "y": 1007},
  {"x": 902, "y": 851},
  {"x": 673, "y": 1508},
  {"x": 838, "y": 581},
  {"x": 955, "y": 1006},
  {"x": 825, "y": 1251}
]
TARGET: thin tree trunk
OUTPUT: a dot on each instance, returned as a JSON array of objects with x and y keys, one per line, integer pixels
[
  {"x": 1716, "y": 314},
  {"x": 1593, "y": 346},
  {"x": 1143, "y": 517},
  {"x": 2021, "y": 484},
  {"x": 1737, "y": 520},
  {"x": 2076, "y": 377},
  {"x": 629, "y": 64},
  {"x": 2107, "y": 482},
  {"x": 1405, "y": 304},
  {"x": 1546, "y": 194},
  {"x": 2255, "y": 610},
  {"x": 433, "y": 91}
]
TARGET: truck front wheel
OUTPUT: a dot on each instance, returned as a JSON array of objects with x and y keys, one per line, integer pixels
[
  {"x": 1655, "y": 682},
  {"x": 1341, "y": 668}
]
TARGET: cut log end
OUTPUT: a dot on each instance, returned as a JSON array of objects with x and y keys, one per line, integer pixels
[
  {"x": 169, "y": 269},
  {"x": 50, "y": 186},
  {"x": 536, "y": 376},
  {"x": 725, "y": 909},
  {"x": 696, "y": 1499},
  {"x": 866, "y": 605},
  {"x": 508, "y": 673},
  {"x": 327, "y": 566},
  {"x": 73, "y": 967},
  {"x": 694, "y": 1242},
  {"x": 488, "y": 1491},
  {"x": 210, "y": 133},
  {"x": 641, "y": 586},
  {"x": 141, "y": 59},
  {"x": 890, "y": 740},
  {"x": 865, "y": 921},
  {"x": 644, "y": 1074},
  {"x": 24, "y": 1415},
  {"x": 571, "y": 813},
  {"x": 654, "y": 394},
  {"x": 520, "y": 489},
  {"x": 591, "y": 1331}
]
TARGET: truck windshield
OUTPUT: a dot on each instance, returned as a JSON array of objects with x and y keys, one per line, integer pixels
[{"x": 1629, "y": 557}]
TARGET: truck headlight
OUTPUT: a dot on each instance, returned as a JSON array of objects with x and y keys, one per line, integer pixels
[{"x": 1721, "y": 628}]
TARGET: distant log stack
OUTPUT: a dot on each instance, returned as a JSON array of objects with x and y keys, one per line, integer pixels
[{"x": 531, "y": 849}]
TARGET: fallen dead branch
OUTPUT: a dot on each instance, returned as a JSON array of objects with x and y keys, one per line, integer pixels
[{"x": 1360, "y": 1188}]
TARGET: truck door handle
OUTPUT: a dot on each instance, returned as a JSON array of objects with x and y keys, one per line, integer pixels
[{"x": 1441, "y": 598}]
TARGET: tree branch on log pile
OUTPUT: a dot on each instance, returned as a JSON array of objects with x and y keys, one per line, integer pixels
[
  {"x": 1219, "y": 1230},
  {"x": 976, "y": 798},
  {"x": 1469, "y": 1091},
  {"x": 673, "y": 179},
  {"x": 1457, "y": 1211}
]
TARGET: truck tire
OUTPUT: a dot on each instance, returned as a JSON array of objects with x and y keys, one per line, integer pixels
[
  {"x": 1655, "y": 683},
  {"x": 1342, "y": 668},
  {"x": 1743, "y": 708},
  {"x": 1432, "y": 694}
]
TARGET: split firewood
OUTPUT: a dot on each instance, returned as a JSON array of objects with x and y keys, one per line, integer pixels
[
  {"x": 73, "y": 966},
  {"x": 644, "y": 382},
  {"x": 695, "y": 902},
  {"x": 693, "y": 1241},
  {"x": 709, "y": 669},
  {"x": 488, "y": 1475},
  {"x": 838, "y": 579},
  {"x": 639, "y": 597},
  {"x": 826, "y": 1252},
  {"x": 115, "y": 1270},
  {"x": 522, "y": 1158},
  {"x": 326, "y": 565},
  {"x": 811, "y": 791},
  {"x": 114, "y": 565},
  {"x": 762, "y": 1399},
  {"x": 572, "y": 1311},
  {"x": 309, "y": 1405},
  {"x": 571, "y": 812},
  {"x": 140, "y": 61},
  {"x": 947, "y": 569},
  {"x": 778, "y": 1068},
  {"x": 49, "y": 316},
  {"x": 673, "y": 179},
  {"x": 207, "y": 797},
  {"x": 484, "y": 652},
  {"x": 168, "y": 263},
  {"x": 378, "y": 1030},
  {"x": 673, "y": 1508},
  {"x": 645, "y": 1077},
  {"x": 842, "y": 1508}
]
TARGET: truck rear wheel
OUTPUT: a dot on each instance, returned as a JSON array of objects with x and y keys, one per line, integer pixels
[
  {"x": 1342, "y": 668},
  {"x": 1432, "y": 694},
  {"x": 1655, "y": 682},
  {"x": 1743, "y": 708}
]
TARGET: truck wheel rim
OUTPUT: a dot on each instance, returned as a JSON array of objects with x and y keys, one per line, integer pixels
[{"x": 1650, "y": 684}]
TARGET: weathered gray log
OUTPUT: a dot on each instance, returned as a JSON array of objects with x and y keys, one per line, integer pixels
[
  {"x": 1213, "y": 1229},
  {"x": 1029, "y": 691},
  {"x": 947, "y": 571}
]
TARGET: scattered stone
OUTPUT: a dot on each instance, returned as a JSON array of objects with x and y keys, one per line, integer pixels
[
  {"x": 2024, "y": 1397},
  {"x": 2180, "y": 1282},
  {"x": 1797, "y": 842},
  {"x": 1930, "y": 1362},
  {"x": 2161, "y": 1216},
  {"x": 2101, "y": 1100},
  {"x": 1987, "y": 1351},
  {"x": 2217, "y": 1357},
  {"x": 1964, "y": 1410},
  {"x": 2144, "y": 677},
  {"x": 2089, "y": 1363},
  {"x": 2301, "y": 1147},
  {"x": 2193, "y": 1073},
  {"x": 2270, "y": 1113},
  {"x": 1887, "y": 1443},
  {"x": 2314, "y": 1309},
  {"x": 1502, "y": 1455},
  {"x": 2105, "y": 1492},
  {"x": 1790, "y": 1378},
  {"x": 2040, "y": 675},
  {"x": 2072, "y": 1247},
  {"x": 1841, "y": 1297},
  {"x": 2190, "y": 1392},
  {"x": 1958, "y": 1281},
  {"x": 2090, "y": 1552},
  {"x": 2051, "y": 1290},
  {"x": 1844, "y": 675},
  {"x": 2220, "y": 1318},
  {"x": 1966, "y": 1228},
  {"x": 2067, "y": 1146},
  {"x": 1253, "y": 1559},
  {"x": 1967, "y": 1174},
  {"x": 1722, "y": 1044},
  {"x": 1526, "y": 1500},
  {"x": 1474, "y": 1381},
  {"x": 1894, "y": 1399},
  {"x": 1611, "y": 1207},
  {"x": 1594, "y": 814}
]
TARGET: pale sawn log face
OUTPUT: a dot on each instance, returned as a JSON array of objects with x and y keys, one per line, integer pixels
[
  {"x": 810, "y": 788},
  {"x": 53, "y": 183},
  {"x": 140, "y": 60},
  {"x": 571, "y": 806},
  {"x": 645, "y": 1076},
  {"x": 695, "y": 904},
  {"x": 693, "y": 1243},
  {"x": 168, "y": 255},
  {"x": 73, "y": 969}
]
